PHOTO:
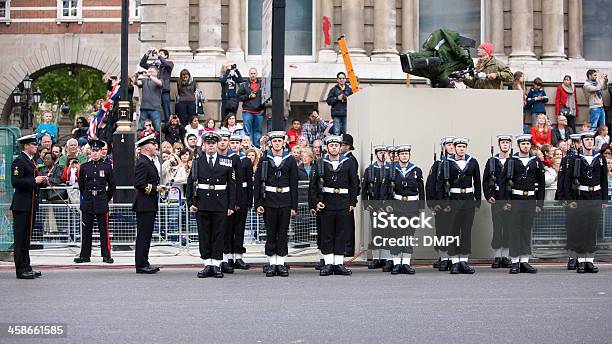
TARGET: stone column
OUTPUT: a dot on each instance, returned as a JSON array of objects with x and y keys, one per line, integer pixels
[
  {"x": 553, "y": 46},
  {"x": 384, "y": 31},
  {"x": 352, "y": 26},
  {"x": 209, "y": 28},
  {"x": 234, "y": 44},
  {"x": 410, "y": 25},
  {"x": 177, "y": 29},
  {"x": 325, "y": 24},
  {"x": 575, "y": 29},
  {"x": 496, "y": 14},
  {"x": 522, "y": 30}
]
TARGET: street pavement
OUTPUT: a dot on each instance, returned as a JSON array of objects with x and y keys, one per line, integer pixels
[{"x": 115, "y": 305}]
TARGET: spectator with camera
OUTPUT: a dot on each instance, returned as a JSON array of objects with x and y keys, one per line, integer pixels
[
  {"x": 536, "y": 100},
  {"x": 562, "y": 131},
  {"x": 566, "y": 102},
  {"x": 70, "y": 177},
  {"x": 336, "y": 98},
  {"x": 150, "y": 98},
  {"x": 492, "y": 73},
  {"x": 249, "y": 93},
  {"x": 185, "y": 105},
  {"x": 294, "y": 133},
  {"x": 148, "y": 130},
  {"x": 230, "y": 80},
  {"x": 165, "y": 67},
  {"x": 174, "y": 131},
  {"x": 593, "y": 91}
]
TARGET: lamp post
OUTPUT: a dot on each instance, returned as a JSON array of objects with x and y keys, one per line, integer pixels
[{"x": 26, "y": 97}]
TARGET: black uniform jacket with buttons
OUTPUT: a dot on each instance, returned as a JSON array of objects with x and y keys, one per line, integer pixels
[
  {"x": 26, "y": 196},
  {"x": 343, "y": 177},
  {"x": 281, "y": 176},
  {"x": 468, "y": 177},
  {"x": 372, "y": 181},
  {"x": 492, "y": 188},
  {"x": 245, "y": 193},
  {"x": 591, "y": 174},
  {"x": 97, "y": 186},
  {"x": 430, "y": 184},
  {"x": 216, "y": 177},
  {"x": 146, "y": 181},
  {"x": 525, "y": 176},
  {"x": 238, "y": 173},
  {"x": 407, "y": 182},
  {"x": 355, "y": 167}
]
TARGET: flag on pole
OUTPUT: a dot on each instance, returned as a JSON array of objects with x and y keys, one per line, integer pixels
[{"x": 104, "y": 109}]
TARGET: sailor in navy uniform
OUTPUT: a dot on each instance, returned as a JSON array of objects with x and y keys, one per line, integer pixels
[
  {"x": 372, "y": 189},
  {"x": 147, "y": 185},
  {"x": 333, "y": 192},
  {"x": 491, "y": 189},
  {"x": 227, "y": 266},
  {"x": 407, "y": 190},
  {"x": 442, "y": 218},
  {"x": 276, "y": 197},
  {"x": 346, "y": 148},
  {"x": 586, "y": 191},
  {"x": 244, "y": 201},
  {"x": 211, "y": 191},
  {"x": 574, "y": 149},
  {"x": 27, "y": 181},
  {"x": 97, "y": 187},
  {"x": 463, "y": 197},
  {"x": 522, "y": 172}
]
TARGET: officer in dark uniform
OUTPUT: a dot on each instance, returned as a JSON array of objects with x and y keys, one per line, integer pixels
[
  {"x": 522, "y": 172},
  {"x": 27, "y": 181},
  {"x": 372, "y": 189},
  {"x": 573, "y": 151},
  {"x": 227, "y": 265},
  {"x": 407, "y": 190},
  {"x": 146, "y": 183},
  {"x": 276, "y": 197},
  {"x": 333, "y": 192},
  {"x": 442, "y": 218},
  {"x": 392, "y": 163},
  {"x": 346, "y": 148},
  {"x": 211, "y": 191},
  {"x": 97, "y": 187},
  {"x": 491, "y": 189},
  {"x": 586, "y": 189},
  {"x": 244, "y": 201},
  {"x": 464, "y": 194}
]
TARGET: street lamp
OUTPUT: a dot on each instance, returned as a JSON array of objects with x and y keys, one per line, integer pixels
[
  {"x": 25, "y": 97},
  {"x": 17, "y": 95}
]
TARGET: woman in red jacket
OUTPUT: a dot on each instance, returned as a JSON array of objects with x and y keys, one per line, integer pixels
[
  {"x": 540, "y": 132},
  {"x": 566, "y": 99}
]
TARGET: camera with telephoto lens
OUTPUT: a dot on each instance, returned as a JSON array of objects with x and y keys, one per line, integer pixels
[{"x": 233, "y": 66}]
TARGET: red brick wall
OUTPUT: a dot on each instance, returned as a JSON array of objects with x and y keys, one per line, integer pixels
[{"x": 53, "y": 28}]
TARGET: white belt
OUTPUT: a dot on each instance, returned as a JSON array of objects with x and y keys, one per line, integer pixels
[
  {"x": 278, "y": 189},
  {"x": 336, "y": 191},
  {"x": 522, "y": 192},
  {"x": 589, "y": 188},
  {"x": 461, "y": 190},
  {"x": 212, "y": 186},
  {"x": 244, "y": 184},
  {"x": 406, "y": 198}
]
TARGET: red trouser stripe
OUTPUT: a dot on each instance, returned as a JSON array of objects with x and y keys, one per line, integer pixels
[{"x": 108, "y": 235}]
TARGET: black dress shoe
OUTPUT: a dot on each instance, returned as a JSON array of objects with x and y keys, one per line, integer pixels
[
  {"x": 36, "y": 273},
  {"x": 147, "y": 270},
  {"x": 326, "y": 270},
  {"x": 374, "y": 264},
  {"x": 581, "y": 268},
  {"x": 572, "y": 263},
  {"x": 241, "y": 265},
  {"x": 496, "y": 263},
  {"x": 506, "y": 262},
  {"x": 388, "y": 266},
  {"x": 342, "y": 271},
  {"x": 407, "y": 269},
  {"x": 225, "y": 267},
  {"x": 26, "y": 275},
  {"x": 206, "y": 272},
  {"x": 266, "y": 266},
  {"x": 445, "y": 265},
  {"x": 230, "y": 262},
  {"x": 156, "y": 268},
  {"x": 526, "y": 268},
  {"x": 272, "y": 271},
  {"x": 80, "y": 260},
  {"x": 320, "y": 264},
  {"x": 590, "y": 268},
  {"x": 515, "y": 268},
  {"x": 282, "y": 270},
  {"x": 436, "y": 265},
  {"x": 396, "y": 269},
  {"x": 464, "y": 268},
  {"x": 108, "y": 260},
  {"x": 216, "y": 272}
]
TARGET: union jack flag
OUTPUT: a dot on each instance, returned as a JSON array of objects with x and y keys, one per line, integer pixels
[{"x": 104, "y": 109}]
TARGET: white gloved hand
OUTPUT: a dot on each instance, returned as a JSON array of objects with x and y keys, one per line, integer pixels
[{"x": 482, "y": 75}]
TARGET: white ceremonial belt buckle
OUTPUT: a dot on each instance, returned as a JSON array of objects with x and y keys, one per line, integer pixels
[
  {"x": 522, "y": 192},
  {"x": 406, "y": 198},
  {"x": 461, "y": 190},
  {"x": 589, "y": 188},
  {"x": 278, "y": 189},
  {"x": 211, "y": 187},
  {"x": 339, "y": 191},
  {"x": 244, "y": 184}
]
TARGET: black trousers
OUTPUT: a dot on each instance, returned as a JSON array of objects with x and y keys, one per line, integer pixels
[
  {"x": 86, "y": 233},
  {"x": 277, "y": 225},
  {"x": 145, "y": 225},
  {"x": 462, "y": 218},
  {"x": 184, "y": 110},
  {"x": 234, "y": 232},
  {"x": 350, "y": 242},
  {"x": 583, "y": 226},
  {"x": 521, "y": 215},
  {"x": 318, "y": 222},
  {"x": 501, "y": 226},
  {"x": 335, "y": 225},
  {"x": 443, "y": 227},
  {"x": 211, "y": 230},
  {"x": 22, "y": 228}
]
